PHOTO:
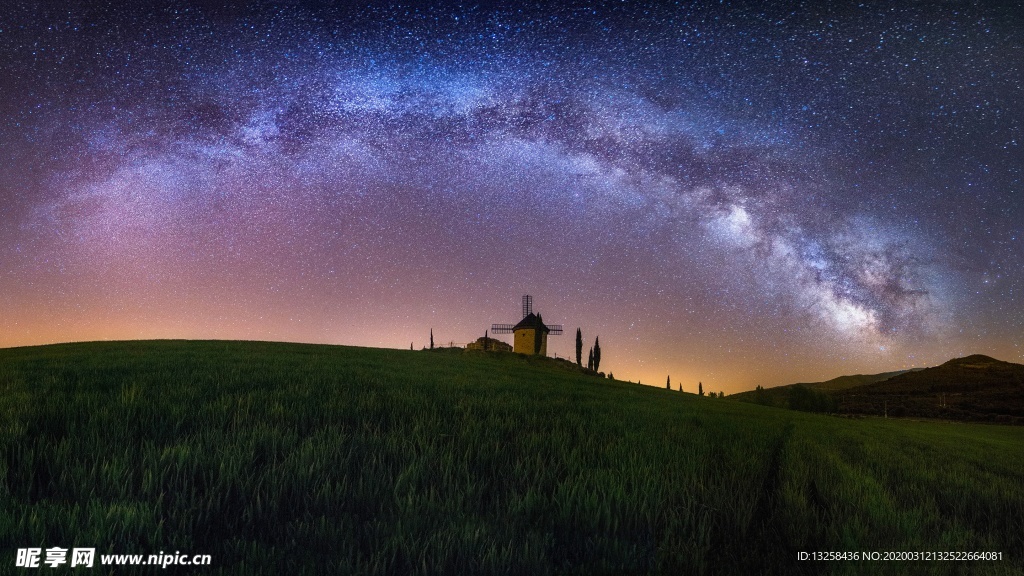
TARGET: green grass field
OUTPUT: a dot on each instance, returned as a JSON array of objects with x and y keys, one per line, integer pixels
[{"x": 302, "y": 459}]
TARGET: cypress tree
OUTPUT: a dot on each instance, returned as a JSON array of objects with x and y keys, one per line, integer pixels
[
  {"x": 485, "y": 340},
  {"x": 590, "y": 360},
  {"x": 597, "y": 353},
  {"x": 700, "y": 389},
  {"x": 579, "y": 347},
  {"x": 668, "y": 382},
  {"x": 538, "y": 334},
  {"x": 431, "y": 338}
]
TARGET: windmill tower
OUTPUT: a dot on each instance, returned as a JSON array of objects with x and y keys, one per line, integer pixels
[{"x": 531, "y": 334}]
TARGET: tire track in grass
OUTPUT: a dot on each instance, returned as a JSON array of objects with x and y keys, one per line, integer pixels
[{"x": 767, "y": 498}]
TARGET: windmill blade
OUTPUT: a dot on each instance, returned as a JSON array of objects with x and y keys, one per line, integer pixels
[
  {"x": 556, "y": 329},
  {"x": 503, "y": 328}
]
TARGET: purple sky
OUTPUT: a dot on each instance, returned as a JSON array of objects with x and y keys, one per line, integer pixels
[{"x": 721, "y": 194}]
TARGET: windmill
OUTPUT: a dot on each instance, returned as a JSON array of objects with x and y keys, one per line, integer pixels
[{"x": 531, "y": 334}]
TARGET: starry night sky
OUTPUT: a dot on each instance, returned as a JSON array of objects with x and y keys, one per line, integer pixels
[{"x": 720, "y": 193}]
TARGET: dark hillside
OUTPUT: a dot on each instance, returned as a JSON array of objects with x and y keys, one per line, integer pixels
[
  {"x": 810, "y": 396},
  {"x": 844, "y": 382},
  {"x": 975, "y": 387}
]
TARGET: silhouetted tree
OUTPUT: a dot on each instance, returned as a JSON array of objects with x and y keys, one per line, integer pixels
[
  {"x": 597, "y": 353},
  {"x": 611, "y": 376},
  {"x": 537, "y": 335},
  {"x": 700, "y": 389},
  {"x": 579, "y": 347},
  {"x": 485, "y": 340},
  {"x": 680, "y": 387},
  {"x": 590, "y": 360},
  {"x": 431, "y": 338},
  {"x": 668, "y": 382},
  {"x": 761, "y": 397},
  {"x": 809, "y": 400}
]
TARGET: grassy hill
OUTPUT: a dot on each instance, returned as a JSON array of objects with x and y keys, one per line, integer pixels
[
  {"x": 972, "y": 388},
  {"x": 303, "y": 459}
]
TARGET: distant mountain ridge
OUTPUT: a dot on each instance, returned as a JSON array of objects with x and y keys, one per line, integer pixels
[
  {"x": 970, "y": 373},
  {"x": 844, "y": 382},
  {"x": 975, "y": 387},
  {"x": 783, "y": 396}
]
